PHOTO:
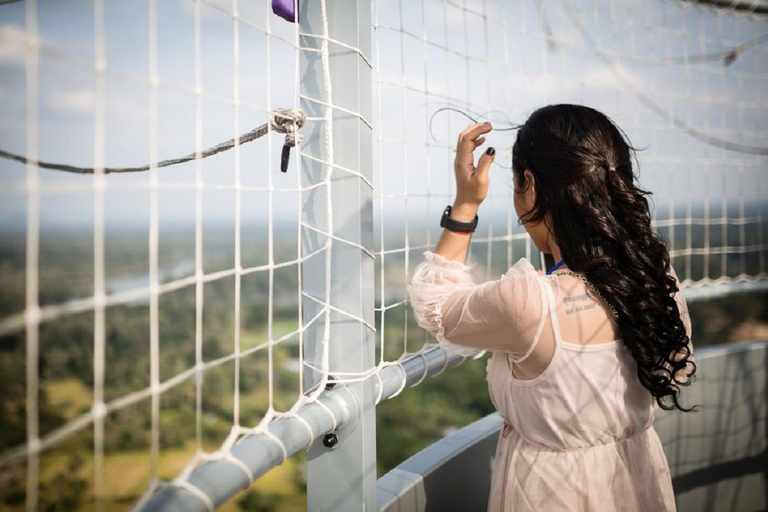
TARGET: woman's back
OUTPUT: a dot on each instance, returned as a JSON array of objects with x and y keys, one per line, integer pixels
[
  {"x": 583, "y": 318},
  {"x": 578, "y": 424},
  {"x": 578, "y": 375}
]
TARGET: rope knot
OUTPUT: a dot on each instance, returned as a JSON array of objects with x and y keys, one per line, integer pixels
[{"x": 288, "y": 121}]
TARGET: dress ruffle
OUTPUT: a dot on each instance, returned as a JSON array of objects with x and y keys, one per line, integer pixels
[{"x": 434, "y": 280}]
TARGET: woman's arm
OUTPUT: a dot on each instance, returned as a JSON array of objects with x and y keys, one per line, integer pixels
[
  {"x": 506, "y": 314},
  {"x": 502, "y": 315},
  {"x": 471, "y": 190}
]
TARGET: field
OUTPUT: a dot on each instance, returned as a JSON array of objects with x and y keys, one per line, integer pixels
[{"x": 416, "y": 418}]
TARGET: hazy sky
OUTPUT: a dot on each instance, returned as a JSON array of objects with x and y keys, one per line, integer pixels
[{"x": 521, "y": 56}]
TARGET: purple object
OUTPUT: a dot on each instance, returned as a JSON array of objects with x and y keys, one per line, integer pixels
[{"x": 285, "y": 9}]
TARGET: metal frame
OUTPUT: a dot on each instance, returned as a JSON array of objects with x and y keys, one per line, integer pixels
[
  {"x": 718, "y": 291},
  {"x": 341, "y": 468},
  {"x": 748, "y": 6},
  {"x": 715, "y": 463},
  {"x": 222, "y": 479}
]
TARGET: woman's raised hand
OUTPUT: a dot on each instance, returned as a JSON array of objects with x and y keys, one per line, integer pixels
[{"x": 472, "y": 181}]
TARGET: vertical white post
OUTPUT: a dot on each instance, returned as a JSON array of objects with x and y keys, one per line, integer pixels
[{"x": 338, "y": 216}]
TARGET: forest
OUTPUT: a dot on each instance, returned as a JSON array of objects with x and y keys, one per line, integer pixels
[{"x": 406, "y": 424}]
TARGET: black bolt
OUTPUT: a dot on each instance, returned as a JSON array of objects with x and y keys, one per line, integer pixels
[
  {"x": 330, "y": 385},
  {"x": 330, "y": 440}
]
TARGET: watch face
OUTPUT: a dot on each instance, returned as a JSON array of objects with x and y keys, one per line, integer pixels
[{"x": 445, "y": 217}]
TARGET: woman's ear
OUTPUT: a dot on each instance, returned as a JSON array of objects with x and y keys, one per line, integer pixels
[{"x": 530, "y": 186}]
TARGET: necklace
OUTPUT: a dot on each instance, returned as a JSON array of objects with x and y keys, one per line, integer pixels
[{"x": 591, "y": 287}]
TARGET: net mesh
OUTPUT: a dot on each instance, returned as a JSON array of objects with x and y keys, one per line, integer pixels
[
  {"x": 682, "y": 81},
  {"x": 150, "y": 321}
]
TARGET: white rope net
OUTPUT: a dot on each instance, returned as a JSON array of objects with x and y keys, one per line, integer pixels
[
  {"x": 685, "y": 81},
  {"x": 132, "y": 354}
]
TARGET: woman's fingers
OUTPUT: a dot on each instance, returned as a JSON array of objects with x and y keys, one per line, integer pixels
[
  {"x": 484, "y": 164},
  {"x": 468, "y": 141},
  {"x": 473, "y": 132}
]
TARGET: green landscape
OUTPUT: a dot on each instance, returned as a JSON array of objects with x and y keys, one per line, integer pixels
[{"x": 406, "y": 424}]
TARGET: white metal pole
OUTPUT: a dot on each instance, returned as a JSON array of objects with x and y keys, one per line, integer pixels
[{"x": 336, "y": 85}]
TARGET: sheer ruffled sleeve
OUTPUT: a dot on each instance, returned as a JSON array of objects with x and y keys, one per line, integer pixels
[{"x": 503, "y": 315}]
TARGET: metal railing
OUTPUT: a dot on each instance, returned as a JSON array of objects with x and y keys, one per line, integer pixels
[{"x": 718, "y": 457}]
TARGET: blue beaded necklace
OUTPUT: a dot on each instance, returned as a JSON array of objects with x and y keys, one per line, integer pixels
[{"x": 560, "y": 264}]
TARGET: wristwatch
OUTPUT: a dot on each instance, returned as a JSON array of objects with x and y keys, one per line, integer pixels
[{"x": 460, "y": 227}]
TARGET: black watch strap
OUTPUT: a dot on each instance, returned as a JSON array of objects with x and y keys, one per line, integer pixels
[{"x": 461, "y": 227}]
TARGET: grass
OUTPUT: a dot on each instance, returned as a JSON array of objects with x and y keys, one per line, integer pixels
[
  {"x": 125, "y": 475},
  {"x": 69, "y": 396},
  {"x": 258, "y": 336}
]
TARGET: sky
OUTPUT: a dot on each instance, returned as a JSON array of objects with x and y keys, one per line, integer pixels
[{"x": 425, "y": 55}]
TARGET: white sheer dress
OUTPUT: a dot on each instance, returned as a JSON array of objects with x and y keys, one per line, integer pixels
[{"x": 578, "y": 433}]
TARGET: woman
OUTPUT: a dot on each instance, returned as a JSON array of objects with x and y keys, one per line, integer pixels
[{"x": 580, "y": 355}]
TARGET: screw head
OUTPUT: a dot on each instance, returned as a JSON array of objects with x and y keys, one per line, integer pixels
[
  {"x": 330, "y": 440},
  {"x": 330, "y": 385}
]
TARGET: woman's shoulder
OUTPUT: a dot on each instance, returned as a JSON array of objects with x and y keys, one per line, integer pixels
[{"x": 522, "y": 268}]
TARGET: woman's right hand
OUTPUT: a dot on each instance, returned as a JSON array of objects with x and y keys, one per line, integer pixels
[{"x": 472, "y": 181}]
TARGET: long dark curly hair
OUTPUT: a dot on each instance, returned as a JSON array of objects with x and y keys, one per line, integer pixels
[{"x": 601, "y": 221}]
